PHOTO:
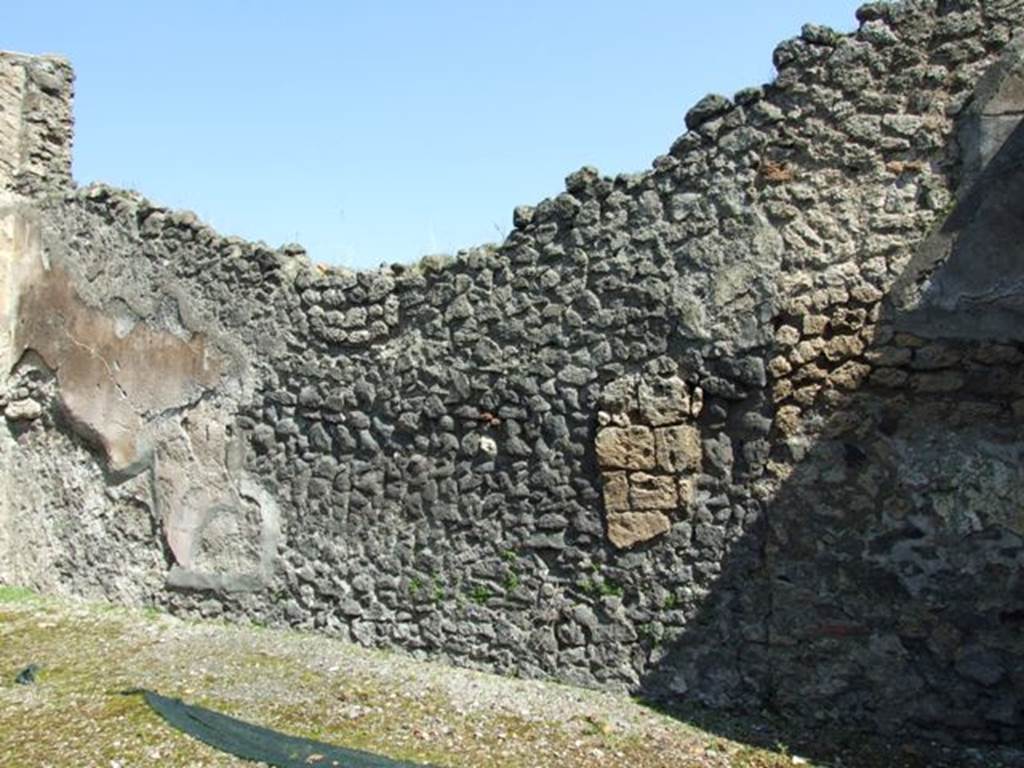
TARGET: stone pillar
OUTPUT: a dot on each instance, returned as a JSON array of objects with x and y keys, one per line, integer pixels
[
  {"x": 20, "y": 249},
  {"x": 35, "y": 123},
  {"x": 35, "y": 160}
]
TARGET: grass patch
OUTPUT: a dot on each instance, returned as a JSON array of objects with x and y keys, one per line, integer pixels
[{"x": 9, "y": 594}]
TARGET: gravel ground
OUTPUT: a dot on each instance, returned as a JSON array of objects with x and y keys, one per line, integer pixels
[{"x": 324, "y": 689}]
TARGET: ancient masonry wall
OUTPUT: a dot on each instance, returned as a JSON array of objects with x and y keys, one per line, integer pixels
[{"x": 742, "y": 429}]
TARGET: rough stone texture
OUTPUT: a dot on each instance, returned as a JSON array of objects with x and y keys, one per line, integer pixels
[
  {"x": 35, "y": 122},
  {"x": 628, "y": 528},
  {"x": 967, "y": 281},
  {"x": 661, "y": 455},
  {"x": 474, "y": 458},
  {"x": 678, "y": 448},
  {"x": 625, "y": 447}
]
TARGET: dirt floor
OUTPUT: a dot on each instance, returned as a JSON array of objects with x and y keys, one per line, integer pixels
[{"x": 316, "y": 687}]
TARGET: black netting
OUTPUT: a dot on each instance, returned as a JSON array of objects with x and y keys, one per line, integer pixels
[{"x": 253, "y": 742}]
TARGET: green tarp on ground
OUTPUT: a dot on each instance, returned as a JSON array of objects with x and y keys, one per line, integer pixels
[{"x": 253, "y": 742}]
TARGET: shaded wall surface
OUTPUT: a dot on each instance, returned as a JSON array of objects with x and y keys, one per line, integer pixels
[{"x": 742, "y": 429}]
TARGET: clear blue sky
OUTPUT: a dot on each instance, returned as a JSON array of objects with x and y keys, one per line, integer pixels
[{"x": 376, "y": 132}]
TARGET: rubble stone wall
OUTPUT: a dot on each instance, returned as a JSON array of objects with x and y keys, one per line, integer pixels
[{"x": 742, "y": 429}]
